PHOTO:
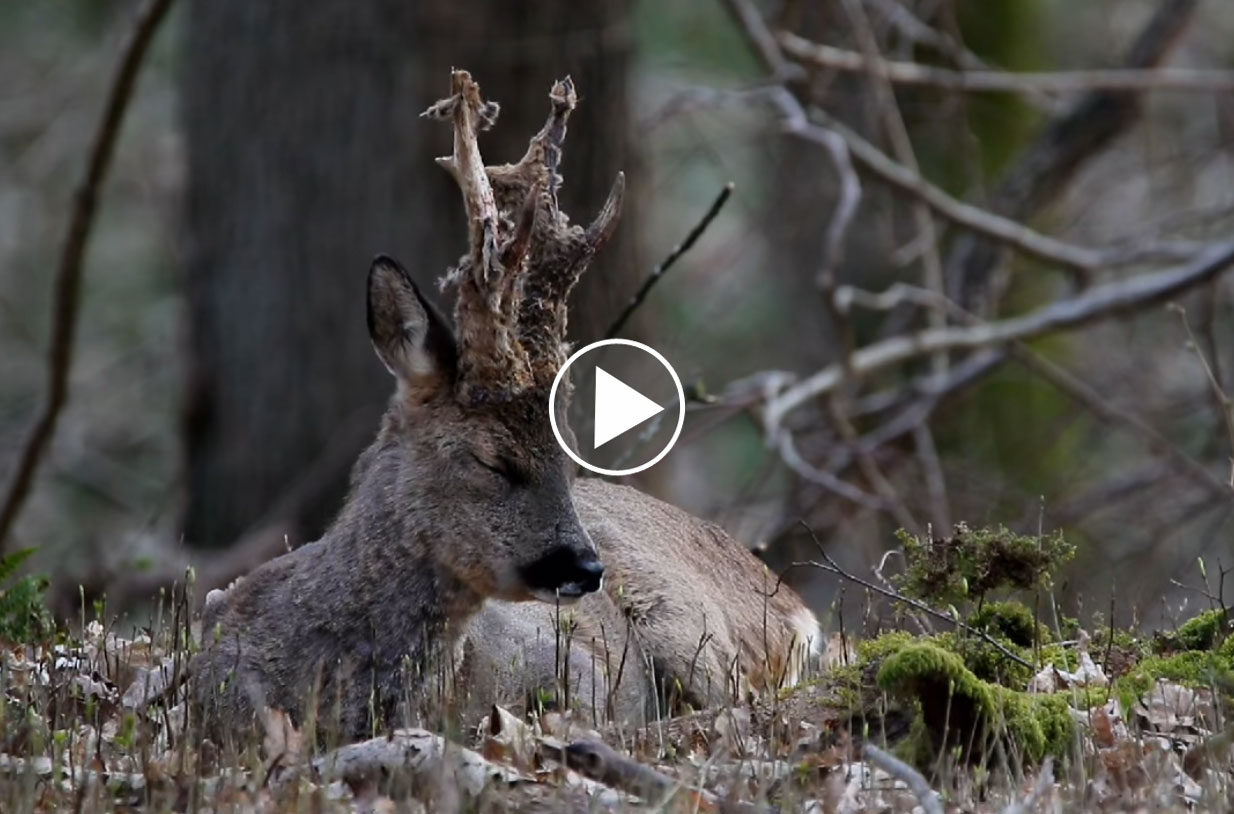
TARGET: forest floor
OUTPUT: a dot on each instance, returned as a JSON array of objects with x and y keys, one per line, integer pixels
[{"x": 995, "y": 714}]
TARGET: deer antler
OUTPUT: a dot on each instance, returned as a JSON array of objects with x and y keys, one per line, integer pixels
[
  {"x": 524, "y": 256},
  {"x": 491, "y": 364},
  {"x": 560, "y": 252}
]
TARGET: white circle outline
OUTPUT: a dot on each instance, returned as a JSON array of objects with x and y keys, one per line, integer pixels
[{"x": 681, "y": 407}]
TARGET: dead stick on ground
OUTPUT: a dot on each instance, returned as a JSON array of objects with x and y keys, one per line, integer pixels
[
  {"x": 928, "y": 797},
  {"x": 668, "y": 262},
  {"x": 67, "y": 297}
]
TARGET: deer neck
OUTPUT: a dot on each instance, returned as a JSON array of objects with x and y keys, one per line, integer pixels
[{"x": 409, "y": 601}]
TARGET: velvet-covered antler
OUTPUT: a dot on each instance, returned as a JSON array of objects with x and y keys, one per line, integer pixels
[{"x": 524, "y": 256}]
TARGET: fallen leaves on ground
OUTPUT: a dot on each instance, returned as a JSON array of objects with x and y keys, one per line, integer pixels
[{"x": 99, "y": 724}]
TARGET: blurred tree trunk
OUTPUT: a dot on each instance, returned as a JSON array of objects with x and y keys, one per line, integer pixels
[{"x": 306, "y": 157}]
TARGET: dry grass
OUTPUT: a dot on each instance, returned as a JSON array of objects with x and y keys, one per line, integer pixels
[{"x": 98, "y": 722}]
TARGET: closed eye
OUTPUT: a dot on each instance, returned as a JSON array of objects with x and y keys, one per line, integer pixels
[{"x": 504, "y": 469}]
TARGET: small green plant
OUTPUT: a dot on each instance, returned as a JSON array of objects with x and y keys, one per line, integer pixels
[
  {"x": 972, "y": 563},
  {"x": 24, "y": 616}
]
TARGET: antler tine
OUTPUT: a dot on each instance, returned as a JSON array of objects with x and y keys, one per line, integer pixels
[
  {"x": 559, "y": 251},
  {"x": 539, "y": 164},
  {"x": 557, "y": 263},
  {"x": 491, "y": 363},
  {"x": 605, "y": 224},
  {"x": 469, "y": 114}
]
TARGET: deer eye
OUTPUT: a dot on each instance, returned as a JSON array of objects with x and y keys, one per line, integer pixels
[{"x": 502, "y": 468}]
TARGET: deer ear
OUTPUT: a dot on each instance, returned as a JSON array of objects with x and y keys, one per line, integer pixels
[{"x": 411, "y": 338}]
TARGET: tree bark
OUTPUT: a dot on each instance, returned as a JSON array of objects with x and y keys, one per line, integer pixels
[{"x": 307, "y": 157}]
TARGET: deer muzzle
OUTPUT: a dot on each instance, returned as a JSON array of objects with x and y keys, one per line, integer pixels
[{"x": 564, "y": 574}]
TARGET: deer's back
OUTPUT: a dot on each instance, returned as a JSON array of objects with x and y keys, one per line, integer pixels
[{"x": 682, "y": 580}]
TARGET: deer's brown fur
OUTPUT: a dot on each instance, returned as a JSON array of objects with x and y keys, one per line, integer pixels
[
  {"x": 465, "y": 497},
  {"x": 707, "y": 622}
]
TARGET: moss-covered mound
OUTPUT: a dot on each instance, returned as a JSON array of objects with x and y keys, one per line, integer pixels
[{"x": 969, "y": 717}]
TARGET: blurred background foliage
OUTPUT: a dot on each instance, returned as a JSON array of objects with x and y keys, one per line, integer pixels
[{"x": 269, "y": 153}]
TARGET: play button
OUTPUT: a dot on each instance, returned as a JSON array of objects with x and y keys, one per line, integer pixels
[
  {"x": 619, "y": 407},
  {"x": 627, "y": 415}
]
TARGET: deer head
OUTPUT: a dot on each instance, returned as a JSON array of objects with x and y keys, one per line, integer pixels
[{"x": 468, "y": 429}]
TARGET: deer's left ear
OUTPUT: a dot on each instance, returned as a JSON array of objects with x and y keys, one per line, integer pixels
[{"x": 411, "y": 338}]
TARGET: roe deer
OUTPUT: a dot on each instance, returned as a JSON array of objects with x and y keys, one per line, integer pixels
[{"x": 465, "y": 496}]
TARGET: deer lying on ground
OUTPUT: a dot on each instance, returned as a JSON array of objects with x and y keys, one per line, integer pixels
[{"x": 465, "y": 498}]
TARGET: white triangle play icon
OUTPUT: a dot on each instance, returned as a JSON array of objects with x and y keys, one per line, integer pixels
[{"x": 618, "y": 407}]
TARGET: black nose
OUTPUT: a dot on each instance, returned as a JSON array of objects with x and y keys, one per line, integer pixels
[
  {"x": 566, "y": 571},
  {"x": 593, "y": 570}
]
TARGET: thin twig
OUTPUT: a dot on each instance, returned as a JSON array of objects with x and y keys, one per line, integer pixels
[
  {"x": 930, "y": 801},
  {"x": 830, "y": 565},
  {"x": 893, "y": 121},
  {"x": 936, "y": 480},
  {"x": 983, "y": 222},
  {"x": 1225, "y": 405},
  {"x": 67, "y": 296},
  {"x": 986, "y": 81},
  {"x": 870, "y": 469},
  {"x": 849, "y": 193},
  {"x": 667, "y": 263},
  {"x": 918, "y": 32},
  {"x": 793, "y": 459},
  {"x": 1075, "y": 388},
  {"x": 1094, "y": 304},
  {"x": 762, "y": 42}
]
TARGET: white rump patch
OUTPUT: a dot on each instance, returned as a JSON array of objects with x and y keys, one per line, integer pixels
[{"x": 808, "y": 645}]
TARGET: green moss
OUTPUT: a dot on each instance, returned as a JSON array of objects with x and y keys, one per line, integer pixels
[
  {"x": 973, "y": 562},
  {"x": 1058, "y": 726},
  {"x": 1192, "y": 668},
  {"x": 1124, "y": 639},
  {"x": 958, "y": 709},
  {"x": 920, "y": 664},
  {"x": 875, "y": 650},
  {"x": 986, "y": 661},
  {"x": 954, "y": 704},
  {"x": 1012, "y": 621},
  {"x": 1204, "y": 631}
]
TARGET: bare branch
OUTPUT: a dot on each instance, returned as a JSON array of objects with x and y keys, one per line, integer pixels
[
  {"x": 1070, "y": 385},
  {"x": 870, "y": 469},
  {"x": 793, "y": 459},
  {"x": 932, "y": 264},
  {"x": 67, "y": 297},
  {"x": 908, "y": 24},
  {"x": 1047, "y": 165},
  {"x": 1083, "y": 394},
  {"x": 664, "y": 265},
  {"x": 914, "y": 74},
  {"x": 1005, "y": 230},
  {"x": 1225, "y": 406},
  {"x": 1096, "y": 303},
  {"x": 762, "y": 42},
  {"x": 930, "y": 801}
]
